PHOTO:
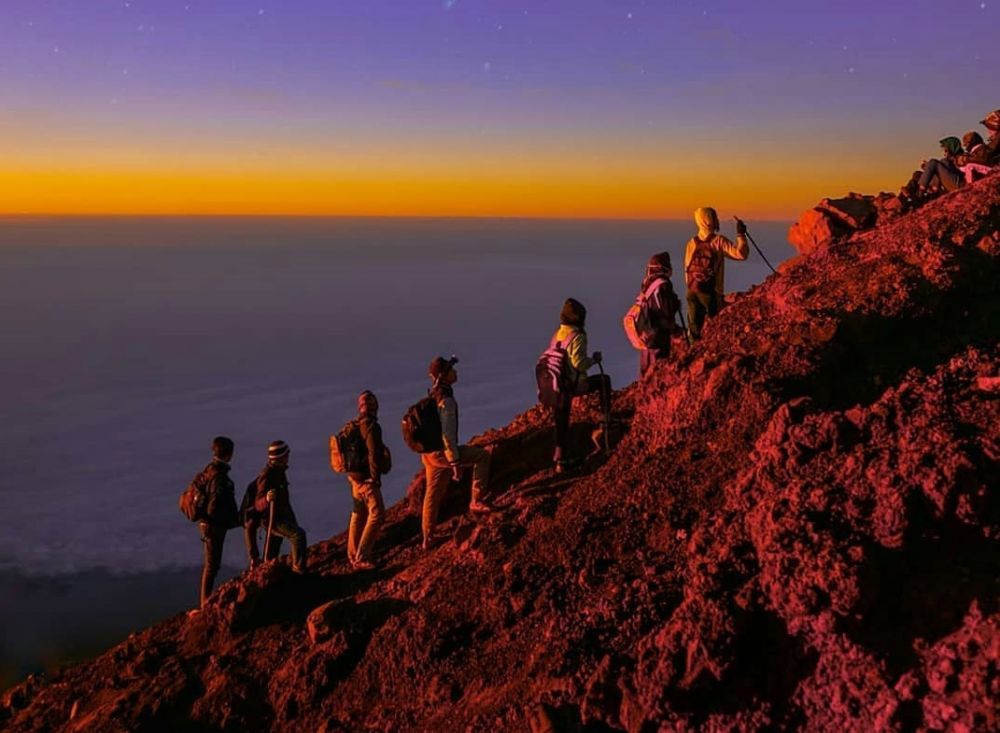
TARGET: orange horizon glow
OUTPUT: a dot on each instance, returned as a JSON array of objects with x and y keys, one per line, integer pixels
[{"x": 506, "y": 192}]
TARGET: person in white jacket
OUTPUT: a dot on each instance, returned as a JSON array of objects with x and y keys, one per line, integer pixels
[{"x": 705, "y": 267}]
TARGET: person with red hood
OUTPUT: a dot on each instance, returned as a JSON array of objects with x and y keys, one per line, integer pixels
[{"x": 705, "y": 267}]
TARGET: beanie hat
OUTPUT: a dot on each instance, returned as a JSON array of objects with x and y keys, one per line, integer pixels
[
  {"x": 441, "y": 366},
  {"x": 277, "y": 450},
  {"x": 951, "y": 145},
  {"x": 971, "y": 140},
  {"x": 660, "y": 263},
  {"x": 992, "y": 120},
  {"x": 573, "y": 313}
]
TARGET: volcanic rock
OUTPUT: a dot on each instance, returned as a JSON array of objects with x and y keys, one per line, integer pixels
[{"x": 799, "y": 530}]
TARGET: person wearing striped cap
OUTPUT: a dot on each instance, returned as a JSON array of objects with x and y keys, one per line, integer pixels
[{"x": 272, "y": 492}]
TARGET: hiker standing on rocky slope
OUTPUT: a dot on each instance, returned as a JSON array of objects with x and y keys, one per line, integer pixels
[
  {"x": 272, "y": 509},
  {"x": 652, "y": 318},
  {"x": 572, "y": 338},
  {"x": 445, "y": 465},
  {"x": 366, "y": 486},
  {"x": 704, "y": 267},
  {"x": 219, "y": 514}
]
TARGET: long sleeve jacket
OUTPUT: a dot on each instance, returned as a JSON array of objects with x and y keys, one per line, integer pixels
[
  {"x": 274, "y": 478},
  {"x": 574, "y": 340},
  {"x": 448, "y": 413},
  {"x": 220, "y": 508},
  {"x": 726, "y": 248}
]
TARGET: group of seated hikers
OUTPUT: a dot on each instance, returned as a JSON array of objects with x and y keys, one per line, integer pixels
[
  {"x": 430, "y": 427},
  {"x": 964, "y": 161}
]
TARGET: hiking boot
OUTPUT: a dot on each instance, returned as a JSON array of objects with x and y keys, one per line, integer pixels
[
  {"x": 363, "y": 565},
  {"x": 568, "y": 464},
  {"x": 478, "y": 506}
]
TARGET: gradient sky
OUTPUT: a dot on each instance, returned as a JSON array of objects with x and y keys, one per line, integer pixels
[{"x": 589, "y": 108}]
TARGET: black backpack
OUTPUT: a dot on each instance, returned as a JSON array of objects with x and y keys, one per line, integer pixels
[
  {"x": 348, "y": 452},
  {"x": 422, "y": 427},
  {"x": 247, "y": 511},
  {"x": 700, "y": 272}
]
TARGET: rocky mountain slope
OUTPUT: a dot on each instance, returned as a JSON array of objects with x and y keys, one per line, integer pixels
[{"x": 799, "y": 531}]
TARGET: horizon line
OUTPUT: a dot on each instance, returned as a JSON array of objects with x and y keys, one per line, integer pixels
[{"x": 438, "y": 217}]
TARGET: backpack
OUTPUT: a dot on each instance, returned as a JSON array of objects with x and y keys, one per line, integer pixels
[
  {"x": 385, "y": 462},
  {"x": 193, "y": 501},
  {"x": 348, "y": 452},
  {"x": 638, "y": 320},
  {"x": 552, "y": 374},
  {"x": 700, "y": 272},
  {"x": 422, "y": 427}
]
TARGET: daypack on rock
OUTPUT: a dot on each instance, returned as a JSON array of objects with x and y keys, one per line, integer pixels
[
  {"x": 552, "y": 374},
  {"x": 194, "y": 499},
  {"x": 700, "y": 272},
  {"x": 348, "y": 452},
  {"x": 422, "y": 427},
  {"x": 638, "y": 320}
]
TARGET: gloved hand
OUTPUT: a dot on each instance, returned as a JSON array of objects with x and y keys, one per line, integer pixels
[
  {"x": 598, "y": 357},
  {"x": 741, "y": 228},
  {"x": 456, "y": 472},
  {"x": 270, "y": 496}
]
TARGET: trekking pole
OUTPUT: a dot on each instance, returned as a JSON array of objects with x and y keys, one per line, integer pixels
[
  {"x": 607, "y": 411},
  {"x": 762, "y": 256},
  {"x": 270, "y": 526},
  {"x": 685, "y": 327}
]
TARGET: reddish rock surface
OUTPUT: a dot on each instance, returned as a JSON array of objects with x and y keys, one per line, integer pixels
[{"x": 799, "y": 531}]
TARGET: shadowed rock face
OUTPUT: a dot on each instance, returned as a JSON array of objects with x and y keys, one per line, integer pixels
[{"x": 799, "y": 530}]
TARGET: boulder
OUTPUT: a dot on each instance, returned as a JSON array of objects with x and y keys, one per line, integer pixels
[
  {"x": 814, "y": 230},
  {"x": 853, "y": 211}
]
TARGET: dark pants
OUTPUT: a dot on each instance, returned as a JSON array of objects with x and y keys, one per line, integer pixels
[
  {"x": 213, "y": 537},
  {"x": 284, "y": 527},
  {"x": 947, "y": 175},
  {"x": 701, "y": 306},
  {"x": 562, "y": 411},
  {"x": 648, "y": 357}
]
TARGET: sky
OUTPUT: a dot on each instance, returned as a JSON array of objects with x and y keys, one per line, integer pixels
[{"x": 550, "y": 108}]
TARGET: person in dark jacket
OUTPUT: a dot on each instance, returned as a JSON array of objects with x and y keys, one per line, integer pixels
[
  {"x": 366, "y": 488},
  {"x": 220, "y": 511},
  {"x": 573, "y": 339},
  {"x": 272, "y": 496},
  {"x": 663, "y": 305}
]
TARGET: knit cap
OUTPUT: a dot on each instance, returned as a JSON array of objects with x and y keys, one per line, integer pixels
[
  {"x": 441, "y": 366},
  {"x": 277, "y": 450},
  {"x": 573, "y": 313}
]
